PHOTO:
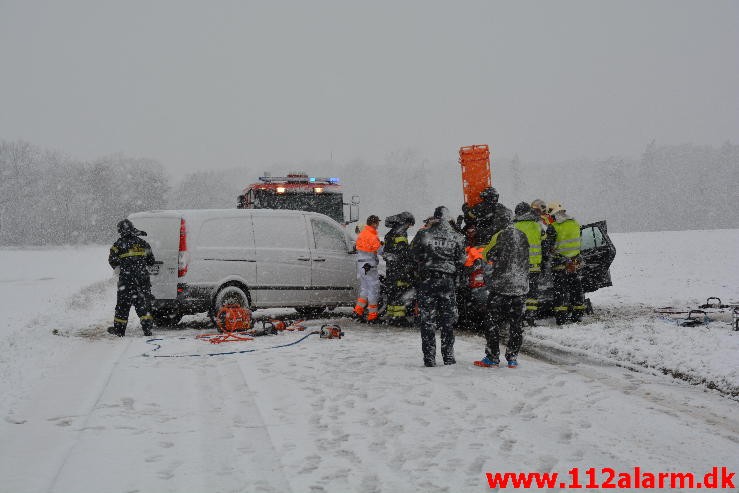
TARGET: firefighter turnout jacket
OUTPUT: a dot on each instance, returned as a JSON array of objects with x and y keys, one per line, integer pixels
[{"x": 133, "y": 257}]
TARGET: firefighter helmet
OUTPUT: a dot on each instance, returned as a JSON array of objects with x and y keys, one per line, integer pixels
[
  {"x": 408, "y": 218},
  {"x": 522, "y": 208},
  {"x": 126, "y": 227},
  {"x": 490, "y": 194},
  {"x": 554, "y": 207},
  {"x": 539, "y": 204}
]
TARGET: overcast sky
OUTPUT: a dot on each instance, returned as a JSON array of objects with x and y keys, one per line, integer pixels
[{"x": 220, "y": 84}]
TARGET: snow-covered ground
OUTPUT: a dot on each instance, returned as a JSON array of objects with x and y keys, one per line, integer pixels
[{"x": 85, "y": 412}]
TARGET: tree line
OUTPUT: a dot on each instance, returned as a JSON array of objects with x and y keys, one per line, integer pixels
[{"x": 47, "y": 197}]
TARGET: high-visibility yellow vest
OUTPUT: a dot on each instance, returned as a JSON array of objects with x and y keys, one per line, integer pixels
[
  {"x": 532, "y": 230},
  {"x": 568, "y": 238}
]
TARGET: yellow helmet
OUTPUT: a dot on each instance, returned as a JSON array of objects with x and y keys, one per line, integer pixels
[{"x": 554, "y": 207}]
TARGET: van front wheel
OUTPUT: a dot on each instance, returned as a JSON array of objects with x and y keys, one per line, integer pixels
[{"x": 229, "y": 295}]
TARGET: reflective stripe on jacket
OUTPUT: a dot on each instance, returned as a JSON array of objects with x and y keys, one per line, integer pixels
[
  {"x": 532, "y": 230},
  {"x": 567, "y": 242}
]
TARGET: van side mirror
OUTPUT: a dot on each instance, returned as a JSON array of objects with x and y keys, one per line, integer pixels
[{"x": 354, "y": 210}]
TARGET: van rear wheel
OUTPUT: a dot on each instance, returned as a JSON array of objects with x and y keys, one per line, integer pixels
[{"x": 229, "y": 295}]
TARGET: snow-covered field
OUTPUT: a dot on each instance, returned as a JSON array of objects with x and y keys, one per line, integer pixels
[{"x": 85, "y": 412}]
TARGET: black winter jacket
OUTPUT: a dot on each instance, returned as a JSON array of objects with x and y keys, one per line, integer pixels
[
  {"x": 397, "y": 255},
  {"x": 438, "y": 249},
  {"x": 133, "y": 256},
  {"x": 510, "y": 257},
  {"x": 488, "y": 218}
]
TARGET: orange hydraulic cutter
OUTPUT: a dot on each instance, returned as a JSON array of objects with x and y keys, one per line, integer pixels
[{"x": 475, "y": 162}]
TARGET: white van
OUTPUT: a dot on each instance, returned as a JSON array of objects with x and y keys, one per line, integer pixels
[{"x": 259, "y": 258}]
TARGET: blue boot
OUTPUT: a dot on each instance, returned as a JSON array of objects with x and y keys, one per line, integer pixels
[{"x": 488, "y": 362}]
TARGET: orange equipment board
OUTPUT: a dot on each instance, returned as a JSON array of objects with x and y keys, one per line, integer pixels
[{"x": 475, "y": 162}]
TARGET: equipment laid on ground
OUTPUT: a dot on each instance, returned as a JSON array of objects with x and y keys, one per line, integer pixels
[
  {"x": 713, "y": 310},
  {"x": 233, "y": 317},
  {"x": 325, "y": 331},
  {"x": 275, "y": 326},
  {"x": 300, "y": 192},
  {"x": 475, "y": 162},
  {"x": 330, "y": 331},
  {"x": 235, "y": 324}
]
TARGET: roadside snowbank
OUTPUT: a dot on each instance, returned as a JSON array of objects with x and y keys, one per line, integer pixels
[{"x": 669, "y": 268}]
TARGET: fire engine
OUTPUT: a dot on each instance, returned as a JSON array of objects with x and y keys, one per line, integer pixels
[{"x": 298, "y": 191}]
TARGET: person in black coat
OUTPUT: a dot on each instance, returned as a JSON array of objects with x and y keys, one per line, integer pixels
[
  {"x": 488, "y": 217},
  {"x": 132, "y": 257},
  {"x": 438, "y": 252},
  {"x": 399, "y": 272},
  {"x": 509, "y": 282}
]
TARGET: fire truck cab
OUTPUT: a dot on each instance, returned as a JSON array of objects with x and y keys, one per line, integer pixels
[{"x": 298, "y": 191}]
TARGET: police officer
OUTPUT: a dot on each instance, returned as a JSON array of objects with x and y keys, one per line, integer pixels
[
  {"x": 439, "y": 254},
  {"x": 488, "y": 217},
  {"x": 509, "y": 283},
  {"x": 399, "y": 272},
  {"x": 563, "y": 244},
  {"x": 132, "y": 257}
]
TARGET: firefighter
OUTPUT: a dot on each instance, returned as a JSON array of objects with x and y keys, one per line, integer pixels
[
  {"x": 540, "y": 209},
  {"x": 368, "y": 247},
  {"x": 438, "y": 252},
  {"x": 131, "y": 257},
  {"x": 399, "y": 271},
  {"x": 509, "y": 283},
  {"x": 488, "y": 217},
  {"x": 563, "y": 244},
  {"x": 527, "y": 221}
]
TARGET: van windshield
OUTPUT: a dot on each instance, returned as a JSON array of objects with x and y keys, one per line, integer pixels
[{"x": 330, "y": 204}]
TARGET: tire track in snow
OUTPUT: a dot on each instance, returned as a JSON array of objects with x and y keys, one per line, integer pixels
[
  {"x": 587, "y": 365},
  {"x": 267, "y": 457},
  {"x": 88, "y": 413}
]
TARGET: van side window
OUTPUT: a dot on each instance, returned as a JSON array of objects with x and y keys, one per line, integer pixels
[
  {"x": 280, "y": 231},
  {"x": 327, "y": 236},
  {"x": 226, "y": 232},
  {"x": 591, "y": 238}
]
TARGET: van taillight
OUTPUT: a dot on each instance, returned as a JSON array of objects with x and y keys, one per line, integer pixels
[
  {"x": 477, "y": 279},
  {"x": 182, "y": 257}
]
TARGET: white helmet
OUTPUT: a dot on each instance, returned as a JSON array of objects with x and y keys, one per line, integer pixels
[{"x": 555, "y": 207}]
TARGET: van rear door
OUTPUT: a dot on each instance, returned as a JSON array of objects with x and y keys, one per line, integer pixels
[
  {"x": 163, "y": 234},
  {"x": 598, "y": 251}
]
